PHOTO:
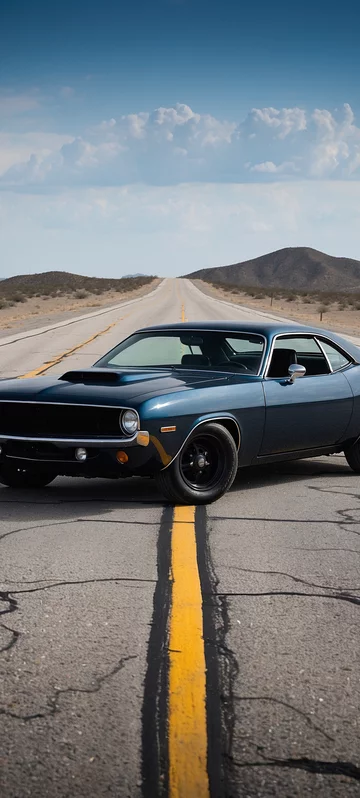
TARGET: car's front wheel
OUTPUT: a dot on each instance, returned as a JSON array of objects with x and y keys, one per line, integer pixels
[
  {"x": 14, "y": 477},
  {"x": 205, "y": 468}
]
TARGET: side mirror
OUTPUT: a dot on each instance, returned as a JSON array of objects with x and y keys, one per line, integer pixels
[{"x": 295, "y": 371}]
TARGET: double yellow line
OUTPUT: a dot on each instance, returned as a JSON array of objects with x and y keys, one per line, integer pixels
[{"x": 188, "y": 777}]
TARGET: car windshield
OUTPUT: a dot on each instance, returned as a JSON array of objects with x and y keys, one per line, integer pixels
[{"x": 219, "y": 351}]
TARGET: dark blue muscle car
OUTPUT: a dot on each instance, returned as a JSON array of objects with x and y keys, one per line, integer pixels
[{"x": 188, "y": 404}]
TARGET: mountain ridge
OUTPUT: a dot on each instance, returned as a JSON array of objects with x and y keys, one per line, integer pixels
[{"x": 292, "y": 268}]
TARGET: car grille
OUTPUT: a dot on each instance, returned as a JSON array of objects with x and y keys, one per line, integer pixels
[{"x": 42, "y": 420}]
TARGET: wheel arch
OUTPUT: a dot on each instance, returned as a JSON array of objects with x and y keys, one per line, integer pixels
[{"x": 229, "y": 422}]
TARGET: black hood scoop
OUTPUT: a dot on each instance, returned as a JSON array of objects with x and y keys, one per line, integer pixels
[{"x": 92, "y": 377}]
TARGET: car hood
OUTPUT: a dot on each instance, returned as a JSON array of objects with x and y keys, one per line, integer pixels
[{"x": 126, "y": 387}]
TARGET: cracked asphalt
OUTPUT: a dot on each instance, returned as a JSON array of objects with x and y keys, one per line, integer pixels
[
  {"x": 80, "y": 569},
  {"x": 285, "y": 547},
  {"x": 74, "y": 633}
]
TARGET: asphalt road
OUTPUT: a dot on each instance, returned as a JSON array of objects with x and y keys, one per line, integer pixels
[{"x": 84, "y": 570}]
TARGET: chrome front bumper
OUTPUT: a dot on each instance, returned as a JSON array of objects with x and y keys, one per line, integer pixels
[{"x": 141, "y": 438}]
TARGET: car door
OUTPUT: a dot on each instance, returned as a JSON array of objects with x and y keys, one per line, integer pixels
[{"x": 313, "y": 411}]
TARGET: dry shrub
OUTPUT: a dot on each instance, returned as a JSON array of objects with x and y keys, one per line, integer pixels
[{"x": 60, "y": 283}]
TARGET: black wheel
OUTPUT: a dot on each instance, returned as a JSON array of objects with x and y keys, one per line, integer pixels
[
  {"x": 205, "y": 468},
  {"x": 353, "y": 457},
  {"x": 14, "y": 477}
]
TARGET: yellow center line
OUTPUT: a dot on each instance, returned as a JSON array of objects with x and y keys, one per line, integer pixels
[
  {"x": 50, "y": 363},
  {"x": 188, "y": 777}
]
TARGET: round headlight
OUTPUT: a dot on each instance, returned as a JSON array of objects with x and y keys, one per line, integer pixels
[{"x": 129, "y": 422}]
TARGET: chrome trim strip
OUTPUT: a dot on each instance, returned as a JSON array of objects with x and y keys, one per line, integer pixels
[
  {"x": 44, "y": 460},
  {"x": 65, "y": 404},
  {"x": 72, "y": 441},
  {"x": 303, "y": 334},
  {"x": 205, "y": 421},
  {"x": 341, "y": 350},
  {"x": 334, "y": 343},
  {"x": 318, "y": 341}
]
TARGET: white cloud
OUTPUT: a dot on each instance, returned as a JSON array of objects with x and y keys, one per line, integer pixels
[
  {"x": 282, "y": 122},
  {"x": 179, "y": 123},
  {"x": 268, "y": 167},
  {"x": 17, "y": 148},
  {"x": 178, "y": 145},
  {"x": 337, "y": 143},
  {"x": 170, "y": 117},
  {"x": 133, "y": 125}
]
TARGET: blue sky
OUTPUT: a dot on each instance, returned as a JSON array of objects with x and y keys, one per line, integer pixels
[{"x": 176, "y": 134}]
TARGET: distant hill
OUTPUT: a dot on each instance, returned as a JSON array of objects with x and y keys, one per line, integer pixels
[
  {"x": 60, "y": 283},
  {"x": 294, "y": 268},
  {"x": 137, "y": 274}
]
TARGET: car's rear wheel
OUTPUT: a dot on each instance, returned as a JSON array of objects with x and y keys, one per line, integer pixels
[
  {"x": 205, "y": 468},
  {"x": 353, "y": 457},
  {"x": 14, "y": 477}
]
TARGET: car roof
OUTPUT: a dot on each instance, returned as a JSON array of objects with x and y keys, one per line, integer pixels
[{"x": 265, "y": 328}]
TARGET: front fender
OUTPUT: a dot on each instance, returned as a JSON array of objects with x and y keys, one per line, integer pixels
[{"x": 240, "y": 408}]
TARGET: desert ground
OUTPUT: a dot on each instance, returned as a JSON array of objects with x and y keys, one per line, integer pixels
[
  {"x": 42, "y": 309},
  {"x": 338, "y": 315}
]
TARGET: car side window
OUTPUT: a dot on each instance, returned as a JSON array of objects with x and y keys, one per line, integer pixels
[
  {"x": 336, "y": 358},
  {"x": 299, "y": 344},
  {"x": 304, "y": 350}
]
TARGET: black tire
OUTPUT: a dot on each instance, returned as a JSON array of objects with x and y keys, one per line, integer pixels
[
  {"x": 353, "y": 457},
  {"x": 14, "y": 477},
  {"x": 186, "y": 481}
]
